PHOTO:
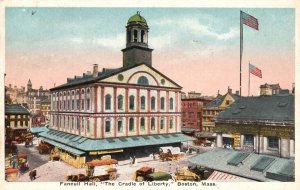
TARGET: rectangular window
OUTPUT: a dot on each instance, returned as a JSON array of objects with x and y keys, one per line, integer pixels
[
  {"x": 107, "y": 126},
  {"x": 273, "y": 142},
  {"x": 162, "y": 123},
  {"x": 120, "y": 126},
  {"x": 78, "y": 104},
  {"x": 171, "y": 123},
  {"x": 249, "y": 140}
]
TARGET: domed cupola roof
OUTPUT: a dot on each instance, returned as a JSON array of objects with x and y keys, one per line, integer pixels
[{"x": 137, "y": 18}]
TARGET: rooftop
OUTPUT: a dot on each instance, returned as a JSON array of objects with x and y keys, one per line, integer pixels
[
  {"x": 16, "y": 109},
  {"x": 250, "y": 165},
  {"x": 276, "y": 108}
]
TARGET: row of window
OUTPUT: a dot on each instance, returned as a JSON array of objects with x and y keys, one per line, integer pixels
[
  {"x": 272, "y": 141},
  {"x": 108, "y": 102},
  {"x": 72, "y": 104},
  {"x": 84, "y": 123}
]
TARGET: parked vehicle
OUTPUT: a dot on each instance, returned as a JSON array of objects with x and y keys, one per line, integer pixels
[
  {"x": 185, "y": 174},
  {"x": 44, "y": 148},
  {"x": 170, "y": 153},
  {"x": 97, "y": 170},
  {"x": 149, "y": 174}
]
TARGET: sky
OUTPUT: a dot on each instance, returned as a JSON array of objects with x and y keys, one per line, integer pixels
[{"x": 198, "y": 48}]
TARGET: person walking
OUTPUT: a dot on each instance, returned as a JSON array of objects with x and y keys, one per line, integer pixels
[{"x": 131, "y": 161}]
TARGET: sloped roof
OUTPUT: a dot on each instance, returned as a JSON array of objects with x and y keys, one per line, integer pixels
[
  {"x": 218, "y": 158},
  {"x": 16, "y": 109},
  {"x": 275, "y": 108},
  {"x": 218, "y": 101},
  {"x": 104, "y": 74}
]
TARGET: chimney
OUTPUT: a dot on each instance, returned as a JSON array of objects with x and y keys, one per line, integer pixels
[
  {"x": 9, "y": 85},
  {"x": 229, "y": 90},
  {"x": 95, "y": 70},
  {"x": 237, "y": 92}
]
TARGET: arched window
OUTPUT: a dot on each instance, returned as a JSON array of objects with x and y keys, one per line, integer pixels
[
  {"x": 72, "y": 124},
  {"x": 88, "y": 99},
  {"x": 162, "y": 123},
  {"x": 142, "y": 36},
  {"x": 131, "y": 102},
  {"x": 120, "y": 102},
  {"x": 152, "y": 123},
  {"x": 143, "y": 100},
  {"x": 142, "y": 124},
  {"x": 69, "y": 100},
  {"x": 143, "y": 80},
  {"x": 77, "y": 100},
  {"x": 171, "y": 104},
  {"x": 128, "y": 36},
  {"x": 135, "y": 35},
  {"x": 120, "y": 125},
  {"x": 107, "y": 126},
  {"x": 73, "y": 100},
  {"x": 82, "y": 99},
  {"x": 131, "y": 124},
  {"x": 108, "y": 102},
  {"x": 152, "y": 103},
  {"x": 64, "y": 101},
  {"x": 162, "y": 103}
]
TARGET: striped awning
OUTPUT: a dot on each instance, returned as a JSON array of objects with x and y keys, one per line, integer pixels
[{"x": 221, "y": 176}]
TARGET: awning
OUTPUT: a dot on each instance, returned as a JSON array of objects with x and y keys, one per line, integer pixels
[
  {"x": 86, "y": 144},
  {"x": 64, "y": 147},
  {"x": 38, "y": 129}
]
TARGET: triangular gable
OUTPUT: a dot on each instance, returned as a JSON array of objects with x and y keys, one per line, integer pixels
[{"x": 131, "y": 75}]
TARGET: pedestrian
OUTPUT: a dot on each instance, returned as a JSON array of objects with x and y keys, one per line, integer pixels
[{"x": 131, "y": 160}]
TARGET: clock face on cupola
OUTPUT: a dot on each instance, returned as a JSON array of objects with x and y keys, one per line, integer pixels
[{"x": 137, "y": 51}]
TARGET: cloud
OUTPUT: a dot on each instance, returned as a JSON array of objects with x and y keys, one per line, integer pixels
[{"x": 192, "y": 25}]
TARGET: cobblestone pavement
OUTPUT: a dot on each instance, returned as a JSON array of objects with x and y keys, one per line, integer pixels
[{"x": 34, "y": 158}]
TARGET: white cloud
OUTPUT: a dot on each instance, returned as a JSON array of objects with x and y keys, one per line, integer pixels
[{"x": 192, "y": 25}]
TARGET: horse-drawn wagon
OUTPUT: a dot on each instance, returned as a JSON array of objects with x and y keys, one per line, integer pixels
[{"x": 97, "y": 170}]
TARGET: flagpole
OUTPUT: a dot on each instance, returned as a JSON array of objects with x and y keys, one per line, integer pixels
[
  {"x": 241, "y": 51},
  {"x": 249, "y": 80}
]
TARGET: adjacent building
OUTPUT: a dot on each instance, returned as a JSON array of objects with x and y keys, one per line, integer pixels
[
  {"x": 191, "y": 108},
  {"x": 123, "y": 111},
  {"x": 17, "y": 120},
  {"x": 263, "y": 124},
  {"x": 15, "y": 95},
  {"x": 213, "y": 108}
]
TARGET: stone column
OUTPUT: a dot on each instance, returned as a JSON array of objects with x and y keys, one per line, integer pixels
[
  {"x": 261, "y": 145},
  {"x": 219, "y": 140},
  {"x": 284, "y": 148},
  {"x": 242, "y": 141},
  {"x": 292, "y": 148}
]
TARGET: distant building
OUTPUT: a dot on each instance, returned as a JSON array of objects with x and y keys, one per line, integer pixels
[
  {"x": 35, "y": 96},
  {"x": 15, "y": 95},
  {"x": 38, "y": 120},
  {"x": 45, "y": 108},
  {"x": 213, "y": 108},
  {"x": 191, "y": 108},
  {"x": 272, "y": 89},
  {"x": 263, "y": 124}
]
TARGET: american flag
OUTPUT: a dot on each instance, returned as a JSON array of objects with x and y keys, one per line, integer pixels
[
  {"x": 249, "y": 20},
  {"x": 255, "y": 71}
]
